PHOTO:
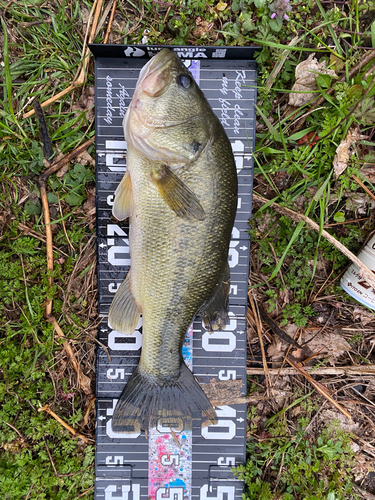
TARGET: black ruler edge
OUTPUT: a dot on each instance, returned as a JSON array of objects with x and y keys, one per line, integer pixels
[{"x": 202, "y": 52}]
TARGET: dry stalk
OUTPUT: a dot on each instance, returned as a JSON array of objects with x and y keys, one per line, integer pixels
[
  {"x": 364, "y": 271},
  {"x": 363, "y": 186},
  {"x": 83, "y": 381},
  {"x": 86, "y": 419},
  {"x": 322, "y": 389},
  {"x": 47, "y": 409},
  {"x": 322, "y": 370},
  {"x": 109, "y": 27},
  {"x": 260, "y": 336}
]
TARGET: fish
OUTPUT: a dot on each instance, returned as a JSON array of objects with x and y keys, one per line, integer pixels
[{"x": 179, "y": 193}]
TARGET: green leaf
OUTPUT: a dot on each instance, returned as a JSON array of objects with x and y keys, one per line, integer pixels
[
  {"x": 52, "y": 198},
  {"x": 247, "y": 26},
  {"x": 33, "y": 207},
  {"x": 324, "y": 81},
  {"x": 74, "y": 199},
  {"x": 373, "y": 34},
  {"x": 259, "y": 3},
  {"x": 276, "y": 24},
  {"x": 236, "y": 6},
  {"x": 339, "y": 217}
]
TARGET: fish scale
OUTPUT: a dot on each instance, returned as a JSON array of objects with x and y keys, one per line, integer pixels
[{"x": 124, "y": 466}]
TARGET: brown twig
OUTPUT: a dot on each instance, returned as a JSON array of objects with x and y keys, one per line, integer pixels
[
  {"x": 337, "y": 370},
  {"x": 86, "y": 419},
  {"x": 260, "y": 336},
  {"x": 28, "y": 231},
  {"x": 83, "y": 381},
  {"x": 12, "y": 427},
  {"x": 363, "y": 186},
  {"x": 47, "y": 409},
  {"x": 364, "y": 271},
  {"x": 85, "y": 492},
  {"x": 109, "y": 27},
  {"x": 322, "y": 389}
]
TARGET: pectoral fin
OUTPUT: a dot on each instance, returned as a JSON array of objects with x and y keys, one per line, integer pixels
[
  {"x": 177, "y": 195},
  {"x": 123, "y": 199},
  {"x": 124, "y": 311},
  {"x": 214, "y": 312}
]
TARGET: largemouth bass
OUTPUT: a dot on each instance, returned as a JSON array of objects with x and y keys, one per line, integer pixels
[{"x": 180, "y": 194}]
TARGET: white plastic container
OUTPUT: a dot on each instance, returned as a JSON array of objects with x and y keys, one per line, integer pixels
[{"x": 356, "y": 286}]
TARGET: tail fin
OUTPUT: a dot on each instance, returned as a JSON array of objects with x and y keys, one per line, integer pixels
[{"x": 143, "y": 400}]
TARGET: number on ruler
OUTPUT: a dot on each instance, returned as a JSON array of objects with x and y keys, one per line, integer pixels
[
  {"x": 224, "y": 429},
  {"x": 113, "y": 373},
  {"x": 174, "y": 493},
  {"x": 114, "y": 460},
  {"x": 227, "y": 432},
  {"x": 125, "y": 490},
  {"x": 233, "y": 254},
  {"x": 123, "y": 435},
  {"x": 223, "y": 341},
  {"x": 228, "y": 491},
  {"x": 114, "y": 229},
  {"x": 226, "y": 461},
  {"x": 227, "y": 375},
  {"x": 170, "y": 459}
]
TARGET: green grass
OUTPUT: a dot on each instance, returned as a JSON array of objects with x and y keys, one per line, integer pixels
[
  {"x": 284, "y": 464},
  {"x": 41, "y": 54}
]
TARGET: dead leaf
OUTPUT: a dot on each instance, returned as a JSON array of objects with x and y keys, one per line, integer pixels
[
  {"x": 369, "y": 172},
  {"x": 277, "y": 349},
  {"x": 85, "y": 159},
  {"x": 363, "y": 315},
  {"x": 359, "y": 203},
  {"x": 86, "y": 103},
  {"x": 344, "y": 151},
  {"x": 203, "y": 28},
  {"x": 325, "y": 344},
  {"x": 221, "y": 6},
  {"x": 306, "y": 73},
  {"x": 89, "y": 207},
  {"x": 327, "y": 416}
]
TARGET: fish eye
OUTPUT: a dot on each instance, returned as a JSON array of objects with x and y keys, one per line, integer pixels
[{"x": 184, "y": 81}]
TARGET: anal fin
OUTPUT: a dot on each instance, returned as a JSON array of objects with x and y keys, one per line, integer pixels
[
  {"x": 122, "y": 206},
  {"x": 214, "y": 312},
  {"x": 124, "y": 311}
]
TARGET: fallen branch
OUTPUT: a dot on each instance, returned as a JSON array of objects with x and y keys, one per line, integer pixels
[
  {"x": 322, "y": 389},
  {"x": 364, "y": 271},
  {"x": 322, "y": 370},
  {"x": 47, "y": 409},
  {"x": 83, "y": 381}
]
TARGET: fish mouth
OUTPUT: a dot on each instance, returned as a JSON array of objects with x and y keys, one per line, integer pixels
[{"x": 156, "y": 75}]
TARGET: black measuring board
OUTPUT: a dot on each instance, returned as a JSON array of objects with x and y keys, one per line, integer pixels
[{"x": 193, "y": 462}]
